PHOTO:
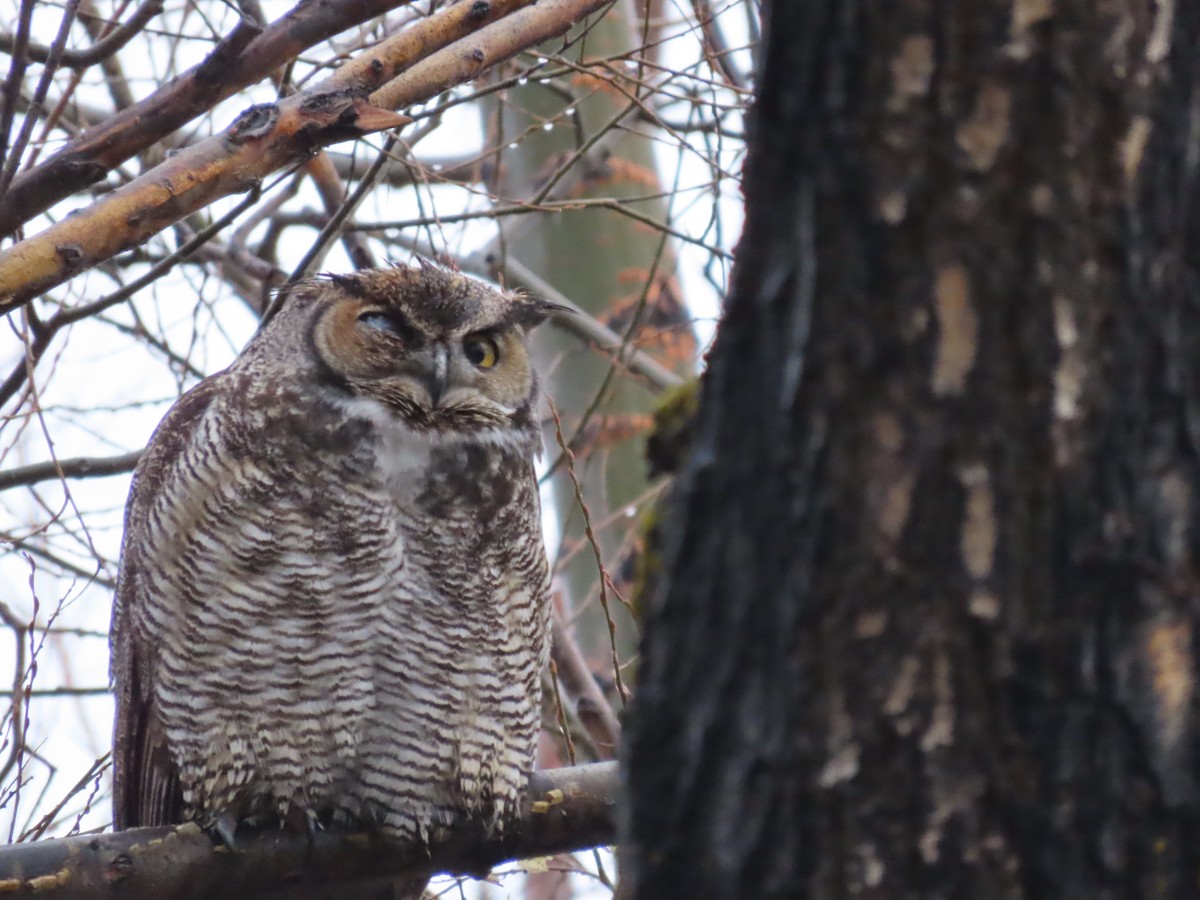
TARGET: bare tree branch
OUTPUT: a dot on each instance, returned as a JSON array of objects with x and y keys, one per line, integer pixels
[
  {"x": 568, "y": 809},
  {"x": 106, "y": 46},
  {"x": 592, "y": 707},
  {"x": 89, "y": 157},
  {"x": 14, "y": 151},
  {"x": 247, "y": 55},
  {"x": 268, "y": 137},
  {"x": 262, "y": 140}
]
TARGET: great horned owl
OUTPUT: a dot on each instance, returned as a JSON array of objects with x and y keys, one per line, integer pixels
[{"x": 332, "y": 604}]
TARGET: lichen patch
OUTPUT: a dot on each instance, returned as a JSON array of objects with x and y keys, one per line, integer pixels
[
  {"x": 983, "y": 135},
  {"x": 958, "y": 330},
  {"x": 1133, "y": 146},
  {"x": 1026, "y": 13},
  {"x": 912, "y": 70},
  {"x": 978, "y": 539},
  {"x": 1167, "y": 654}
]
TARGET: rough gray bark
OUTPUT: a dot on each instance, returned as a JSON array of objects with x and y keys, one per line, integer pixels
[{"x": 928, "y": 626}]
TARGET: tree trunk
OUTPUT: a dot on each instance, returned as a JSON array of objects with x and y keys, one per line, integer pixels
[{"x": 927, "y": 629}]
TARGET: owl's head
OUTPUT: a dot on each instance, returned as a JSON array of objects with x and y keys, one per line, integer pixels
[{"x": 441, "y": 351}]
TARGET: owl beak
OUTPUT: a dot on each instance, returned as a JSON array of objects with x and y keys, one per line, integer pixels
[{"x": 439, "y": 375}]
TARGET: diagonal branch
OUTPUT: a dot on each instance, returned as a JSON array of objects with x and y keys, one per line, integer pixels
[
  {"x": 89, "y": 157},
  {"x": 269, "y": 137},
  {"x": 568, "y": 809},
  {"x": 244, "y": 57},
  {"x": 261, "y": 140}
]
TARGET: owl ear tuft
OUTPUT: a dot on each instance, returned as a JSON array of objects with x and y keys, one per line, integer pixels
[
  {"x": 529, "y": 312},
  {"x": 351, "y": 284}
]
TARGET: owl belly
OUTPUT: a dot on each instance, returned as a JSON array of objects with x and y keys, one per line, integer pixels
[
  {"x": 273, "y": 723},
  {"x": 259, "y": 688},
  {"x": 371, "y": 697},
  {"x": 420, "y": 780},
  {"x": 453, "y": 735}
]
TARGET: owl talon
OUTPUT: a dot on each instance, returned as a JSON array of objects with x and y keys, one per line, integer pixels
[
  {"x": 549, "y": 799},
  {"x": 312, "y": 826},
  {"x": 226, "y": 829}
]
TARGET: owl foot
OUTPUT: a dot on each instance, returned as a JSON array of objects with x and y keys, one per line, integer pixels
[
  {"x": 312, "y": 826},
  {"x": 549, "y": 799},
  {"x": 226, "y": 829}
]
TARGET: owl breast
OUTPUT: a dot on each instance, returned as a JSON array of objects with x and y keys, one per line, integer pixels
[
  {"x": 365, "y": 646},
  {"x": 462, "y": 634}
]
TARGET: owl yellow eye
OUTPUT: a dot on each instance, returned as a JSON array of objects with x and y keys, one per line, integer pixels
[{"x": 480, "y": 350}]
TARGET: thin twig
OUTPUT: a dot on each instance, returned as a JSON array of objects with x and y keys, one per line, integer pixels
[
  {"x": 591, "y": 705},
  {"x": 17, "y": 148},
  {"x": 101, "y": 49},
  {"x": 591, "y": 536},
  {"x": 316, "y": 251},
  {"x": 16, "y": 76},
  {"x": 79, "y": 467}
]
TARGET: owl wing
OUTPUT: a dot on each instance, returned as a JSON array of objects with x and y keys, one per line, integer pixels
[{"x": 146, "y": 787}]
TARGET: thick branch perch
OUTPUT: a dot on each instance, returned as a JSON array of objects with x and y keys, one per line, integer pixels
[{"x": 575, "y": 809}]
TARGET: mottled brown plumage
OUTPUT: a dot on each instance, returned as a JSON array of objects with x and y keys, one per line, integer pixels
[{"x": 332, "y": 604}]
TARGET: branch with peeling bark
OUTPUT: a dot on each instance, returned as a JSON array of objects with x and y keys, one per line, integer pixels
[
  {"x": 270, "y": 137},
  {"x": 246, "y": 55},
  {"x": 262, "y": 140},
  {"x": 568, "y": 809}
]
